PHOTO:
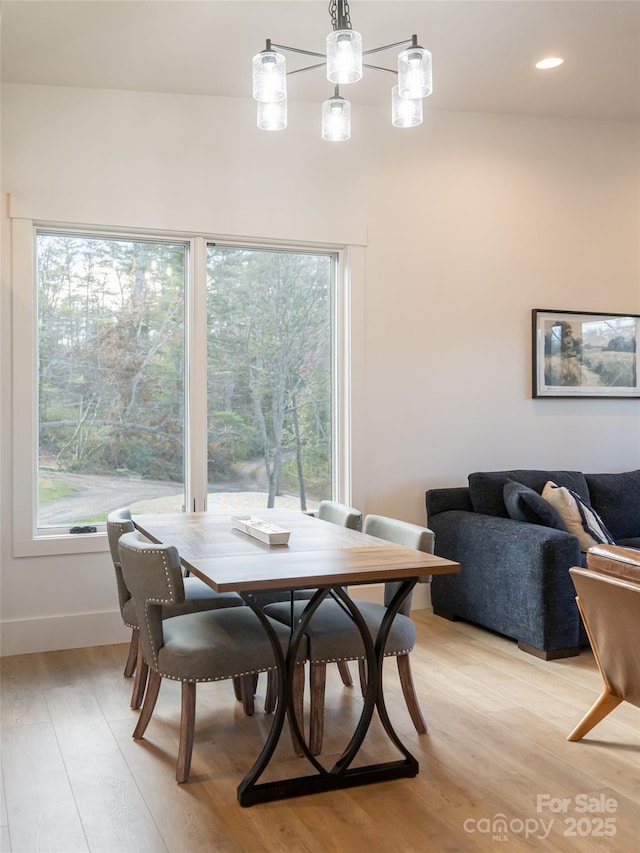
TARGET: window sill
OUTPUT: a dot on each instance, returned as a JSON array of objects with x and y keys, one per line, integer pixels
[{"x": 52, "y": 544}]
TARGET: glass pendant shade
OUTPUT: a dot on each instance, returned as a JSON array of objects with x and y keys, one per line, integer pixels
[
  {"x": 336, "y": 119},
  {"x": 269, "y": 76},
  {"x": 414, "y": 73},
  {"x": 405, "y": 112},
  {"x": 272, "y": 115},
  {"x": 344, "y": 56}
]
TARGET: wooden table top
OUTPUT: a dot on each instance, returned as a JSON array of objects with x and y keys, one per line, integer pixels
[{"x": 318, "y": 553}]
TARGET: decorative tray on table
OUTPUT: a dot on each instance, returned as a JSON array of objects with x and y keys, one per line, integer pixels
[{"x": 259, "y": 529}]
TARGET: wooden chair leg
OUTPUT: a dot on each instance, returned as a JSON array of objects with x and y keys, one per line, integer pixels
[
  {"x": 317, "y": 682},
  {"x": 130, "y": 666},
  {"x": 345, "y": 673},
  {"x": 362, "y": 672},
  {"x": 150, "y": 699},
  {"x": 271, "y": 696},
  {"x": 409, "y": 691},
  {"x": 605, "y": 703},
  {"x": 250, "y": 687},
  {"x": 140, "y": 681},
  {"x": 187, "y": 730},
  {"x": 248, "y": 690},
  {"x": 298, "y": 704}
]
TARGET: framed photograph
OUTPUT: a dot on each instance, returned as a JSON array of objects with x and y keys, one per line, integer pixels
[{"x": 585, "y": 354}]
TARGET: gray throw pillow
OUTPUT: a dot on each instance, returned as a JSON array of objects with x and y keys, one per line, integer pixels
[{"x": 525, "y": 504}]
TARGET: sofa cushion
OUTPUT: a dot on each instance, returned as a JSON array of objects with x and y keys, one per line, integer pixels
[
  {"x": 525, "y": 504},
  {"x": 486, "y": 487},
  {"x": 579, "y": 518},
  {"x": 616, "y": 499}
]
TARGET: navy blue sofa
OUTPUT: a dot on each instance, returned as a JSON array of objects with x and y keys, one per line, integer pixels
[{"x": 515, "y": 575}]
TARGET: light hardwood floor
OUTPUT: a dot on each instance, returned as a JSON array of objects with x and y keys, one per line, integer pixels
[{"x": 496, "y": 772}]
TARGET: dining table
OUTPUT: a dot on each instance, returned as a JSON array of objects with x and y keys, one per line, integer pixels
[{"x": 331, "y": 560}]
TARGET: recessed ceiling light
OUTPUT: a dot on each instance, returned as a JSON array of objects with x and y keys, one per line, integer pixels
[{"x": 549, "y": 62}]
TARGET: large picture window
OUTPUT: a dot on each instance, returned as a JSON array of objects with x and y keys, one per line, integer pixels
[
  {"x": 269, "y": 375},
  {"x": 111, "y": 404},
  {"x": 128, "y": 368}
]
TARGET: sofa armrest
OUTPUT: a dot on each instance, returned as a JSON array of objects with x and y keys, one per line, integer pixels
[
  {"x": 443, "y": 500},
  {"x": 514, "y": 577}
]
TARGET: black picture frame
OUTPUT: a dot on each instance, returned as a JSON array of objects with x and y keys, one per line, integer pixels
[{"x": 585, "y": 354}]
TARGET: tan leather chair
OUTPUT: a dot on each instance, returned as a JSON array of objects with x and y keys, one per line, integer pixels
[{"x": 609, "y": 602}]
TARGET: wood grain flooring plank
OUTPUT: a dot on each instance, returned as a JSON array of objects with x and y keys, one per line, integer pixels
[
  {"x": 41, "y": 809},
  {"x": 21, "y": 699},
  {"x": 105, "y": 675},
  {"x": 192, "y": 816},
  {"x": 549, "y": 677},
  {"x": 533, "y": 765},
  {"x": 111, "y": 807},
  {"x": 614, "y": 761}
]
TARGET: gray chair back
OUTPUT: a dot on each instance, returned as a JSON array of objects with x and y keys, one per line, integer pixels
[
  {"x": 153, "y": 574},
  {"x": 337, "y": 513},
  {"x": 401, "y": 533},
  {"x": 119, "y": 522}
]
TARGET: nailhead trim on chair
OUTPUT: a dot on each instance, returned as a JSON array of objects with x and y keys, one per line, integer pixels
[
  {"x": 360, "y": 657},
  {"x": 155, "y": 654},
  {"x": 220, "y": 678},
  {"x": 154, "y": 601}
]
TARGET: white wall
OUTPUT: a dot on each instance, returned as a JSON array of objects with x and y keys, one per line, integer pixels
[{"x": 472, "y": 221}]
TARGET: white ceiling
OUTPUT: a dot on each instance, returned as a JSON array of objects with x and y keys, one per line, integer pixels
[{"x": 483, "y": 50}]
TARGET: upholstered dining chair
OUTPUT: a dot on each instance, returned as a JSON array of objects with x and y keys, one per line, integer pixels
[
  {"x": 197, "y": 596},
  {"x": 608, "y": 597},
  {"x": 334, "y": 513},
  {"x": 351, "y": 518},
  {"x": 334, "y": 637},
  {"x": 337, "y": 513},
  {"x": 209, "y": 645}
]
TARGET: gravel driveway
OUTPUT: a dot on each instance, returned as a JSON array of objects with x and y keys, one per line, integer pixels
[{"x": 97, "y": 495}]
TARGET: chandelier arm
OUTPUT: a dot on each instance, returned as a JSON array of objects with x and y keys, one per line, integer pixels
[
  {"x": 380, "y": 68},
  {"x": 299, "y": 50},
  {"x": 306, "y": 68},
  {"x": 387, "y": 46}
]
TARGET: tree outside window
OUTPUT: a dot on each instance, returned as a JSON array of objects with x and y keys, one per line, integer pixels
[{"x": 113, "y": 422}]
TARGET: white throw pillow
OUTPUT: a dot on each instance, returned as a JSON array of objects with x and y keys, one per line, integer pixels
[{"x": 579, "y": 518}]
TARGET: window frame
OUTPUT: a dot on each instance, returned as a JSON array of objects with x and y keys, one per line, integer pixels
[{"x": 347, "y": 341}]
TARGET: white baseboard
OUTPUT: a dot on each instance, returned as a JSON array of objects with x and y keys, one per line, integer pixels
[{"x": 25, "y": 636}]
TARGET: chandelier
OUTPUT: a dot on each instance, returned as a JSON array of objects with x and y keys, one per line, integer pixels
[{"x": 343, "y": 61}]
